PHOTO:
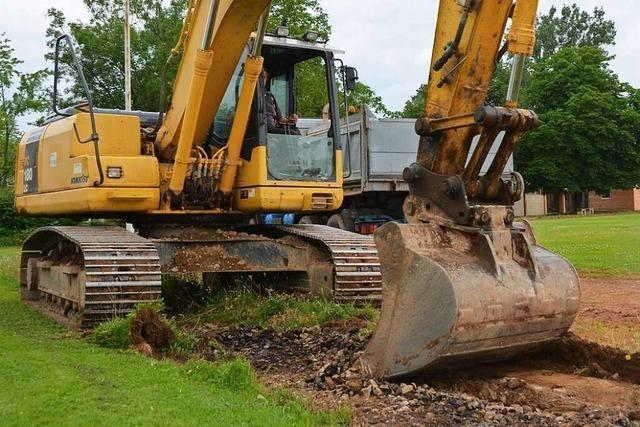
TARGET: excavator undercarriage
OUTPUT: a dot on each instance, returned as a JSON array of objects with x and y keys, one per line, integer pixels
[{"x": 82, "y": 276}]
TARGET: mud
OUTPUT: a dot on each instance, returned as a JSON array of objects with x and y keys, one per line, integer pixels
[
  {"x": 150, "y": 333},
  {"x": 194, "y": 258},
  {"x": 578, "y": 383},
  {"x": 611, "y": 301}
]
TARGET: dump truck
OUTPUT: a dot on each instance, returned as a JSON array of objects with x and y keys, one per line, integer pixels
[{"x": 376, "y": 151}]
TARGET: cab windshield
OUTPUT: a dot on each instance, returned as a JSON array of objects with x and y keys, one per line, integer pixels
[
  {"x": 292, "y": 103},
  {"x": 300, "y": 144}
]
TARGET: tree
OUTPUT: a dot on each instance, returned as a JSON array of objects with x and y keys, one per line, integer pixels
[
  {"x": 589, "y": 138},
  {"x": 155, "y": 28},
  {"x": 572, "y": 27},
  {"x": 414, "y": 107},
  {"x": 555, "y": 30},
  {"x": 365, "y": 95},
  {"x": 20, "y": 94},
  {"x": 300, "y": 16}
]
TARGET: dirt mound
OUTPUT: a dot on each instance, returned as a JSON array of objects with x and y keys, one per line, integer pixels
[
  {"x": 573, "y": 355},
  {"x": 323, "y": 363},
  {"x": 150, "y": 333},
  {"x": 194, "y": 258}
]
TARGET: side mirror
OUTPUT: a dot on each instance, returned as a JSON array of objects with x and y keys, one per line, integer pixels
[{"x": 351, "y": 78}]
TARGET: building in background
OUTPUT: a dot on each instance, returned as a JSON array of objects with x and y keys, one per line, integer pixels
[{"x": 615, "y": 201}]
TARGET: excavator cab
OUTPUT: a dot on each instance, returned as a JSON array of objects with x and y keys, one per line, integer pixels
[{"x": 300, "y": 79}]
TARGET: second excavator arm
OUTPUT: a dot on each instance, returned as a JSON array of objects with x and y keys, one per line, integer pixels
[
  {"x": 463, "y": 282},
  {"x": 470, "y": 35}
]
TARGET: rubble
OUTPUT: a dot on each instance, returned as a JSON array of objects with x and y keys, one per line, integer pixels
[{"x": 324, "y": 361}]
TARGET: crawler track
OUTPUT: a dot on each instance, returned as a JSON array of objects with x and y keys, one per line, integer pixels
[
  {"x": 357, "y": 275},
  {"x": 83, "y": 276}
]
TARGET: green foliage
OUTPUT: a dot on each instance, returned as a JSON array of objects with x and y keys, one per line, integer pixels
[
  {"x": 365, "y": 95},
  {"x": 589, "y": 138},
  {"x": 572, "y": 27},
  {"x": 300, "y": 16},
  {"x": 20, "y": 93},
  {"x": 555, "y": 30},
  {"x": 311, "y": 88},
  {"x": 184, "y": 344},
  {"x": 13, "y": 227},
  {"x": 414, "y": 107},
  {"x": 236, "y": 374},
  {"x": 155, "y": 29},
  {"x": 500, "y": 84},
  {"x": 113, "y": 334}
]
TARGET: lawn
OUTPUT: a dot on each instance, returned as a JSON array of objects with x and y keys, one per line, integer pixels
[
  {"x": 598, "y": 246},
  {"x": 48, "y": 377}
]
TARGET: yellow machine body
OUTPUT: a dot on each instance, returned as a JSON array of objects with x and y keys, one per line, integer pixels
[{"x": 55, "y": 175}]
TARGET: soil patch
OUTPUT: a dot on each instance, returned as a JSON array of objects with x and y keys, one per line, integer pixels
[
  {"x": 611, "y": 301},
  {"x": 150, "y": 333},
  {"x": 577, "y": 385}
]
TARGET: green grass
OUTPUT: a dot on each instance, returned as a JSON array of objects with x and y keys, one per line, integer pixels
[
  {"x": 247, "y": 308},
  {"x": 49, "y": 377},
  {"x": 600, "y": 246}
]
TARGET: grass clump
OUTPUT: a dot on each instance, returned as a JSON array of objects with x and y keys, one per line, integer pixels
[
  {"x": 243, "y": 306},
  {"x": 239, "y": 375},
  {"x": 236, "y": 374},
  {"x": 114, "y": 334}
]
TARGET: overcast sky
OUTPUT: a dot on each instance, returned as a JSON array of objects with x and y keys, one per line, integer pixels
[{"x": 389, "y": 41}]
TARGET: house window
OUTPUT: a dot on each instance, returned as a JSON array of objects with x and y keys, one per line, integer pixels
[{"x": 606, "y": 195}]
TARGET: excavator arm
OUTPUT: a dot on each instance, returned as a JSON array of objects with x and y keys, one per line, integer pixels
[
  {"x": 220, "y": 28},
  {"x": 215, "y": 34},
  {"x": 463, "y": 282},
  {"x": 470, "y": 40}
]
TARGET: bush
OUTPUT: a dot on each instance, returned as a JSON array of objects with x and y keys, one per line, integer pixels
[{"x": 15, "y": 228}]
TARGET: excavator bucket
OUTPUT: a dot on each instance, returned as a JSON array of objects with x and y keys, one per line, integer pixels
[{"x": 455, "y": 296}]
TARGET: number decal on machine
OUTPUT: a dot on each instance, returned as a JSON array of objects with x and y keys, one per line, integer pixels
[{"x": 30, "y": 173}]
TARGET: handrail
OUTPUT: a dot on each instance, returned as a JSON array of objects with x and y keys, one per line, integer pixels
[{"x": 95, "y": 137}]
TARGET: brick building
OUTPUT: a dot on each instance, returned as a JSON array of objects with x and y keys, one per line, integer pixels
[{"x": 615, "y": 201}]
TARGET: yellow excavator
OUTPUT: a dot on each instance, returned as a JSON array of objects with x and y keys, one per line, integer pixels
[{"x": 463, "y": 281}]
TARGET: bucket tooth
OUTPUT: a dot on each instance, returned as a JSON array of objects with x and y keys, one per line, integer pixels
[{"x": 452, "y": 297}]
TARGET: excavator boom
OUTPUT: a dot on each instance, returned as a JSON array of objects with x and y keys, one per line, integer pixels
[
  {"x": 462, "y": 281},
  {"x": 221, "y": 27}
]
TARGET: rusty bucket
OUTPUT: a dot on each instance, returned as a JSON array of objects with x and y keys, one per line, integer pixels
[{"x": 455, "y": 296}]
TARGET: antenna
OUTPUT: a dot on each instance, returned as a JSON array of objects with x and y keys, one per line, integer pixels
[{"x": 127, "y": 58}]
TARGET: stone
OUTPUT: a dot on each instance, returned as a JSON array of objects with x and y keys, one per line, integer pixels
[{"x": 406, "y": 388}]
